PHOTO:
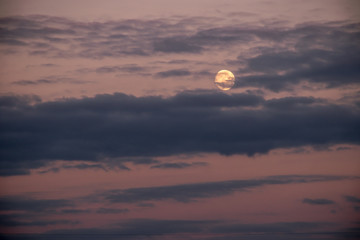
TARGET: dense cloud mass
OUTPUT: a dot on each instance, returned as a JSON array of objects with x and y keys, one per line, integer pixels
[{"x": 120, "y": 125}]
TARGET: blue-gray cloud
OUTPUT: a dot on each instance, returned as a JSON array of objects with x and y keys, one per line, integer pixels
[
  {"x": 195, "y": 191},
  {"x": 179, "y": 165},
  {"x": 112, "y": 210},
  {"x": 352, "y": 199},
  {"x": 318, "y": 201},
  {"x": 205, "y": 229},
  {"x": 321, "y": 53},
  {"x": 127, "y": 128},
  {"x": 174, "y": 73},
  {"x": 20, "y": 203}
]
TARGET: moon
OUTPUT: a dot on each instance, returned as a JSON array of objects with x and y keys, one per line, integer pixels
[{"x": 224, "y": 80}]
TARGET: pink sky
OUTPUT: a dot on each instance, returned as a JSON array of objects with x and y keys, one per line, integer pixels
[{"x": 112, "y": 123}]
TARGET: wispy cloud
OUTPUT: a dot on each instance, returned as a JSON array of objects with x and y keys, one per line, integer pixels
[
  {"x": 179, "y": 165},
  {"x": 318, "y": 201},
  {"x": 191, "y": 192}
]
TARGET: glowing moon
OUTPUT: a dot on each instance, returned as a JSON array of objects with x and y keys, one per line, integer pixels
[{"x": 224, "y": 80}]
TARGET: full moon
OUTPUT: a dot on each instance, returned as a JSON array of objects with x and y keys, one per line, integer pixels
[{"x": 224, "y": 80}]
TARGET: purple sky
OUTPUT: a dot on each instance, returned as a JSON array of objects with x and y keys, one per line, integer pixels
[{"x": 112, "y": 126}]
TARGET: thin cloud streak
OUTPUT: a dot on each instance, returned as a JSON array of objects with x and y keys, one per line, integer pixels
[{"x": 191, "y": 192}]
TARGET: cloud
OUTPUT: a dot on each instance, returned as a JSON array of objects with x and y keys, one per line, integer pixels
[
  {"x": 352, "y": 199},
  {"x": 318, "y": 201},
  {"x": 50, "y": 80},
  {"x": 27, "y": 211},
  {"x": 279, "y": 227},
  {"x": 188, "y": 229},
  {"x": 176, "y": 45},
  {"x": 112, "y": 210},
  {"x": 174, "y": 73},
  {"x": 192, "y": 192},
  {"x": 83, "y": 166},
  {"x": 318, "y": 57},
  {"x": 9, "y": 221},
  {"x": 131, "y": 68},
  {"x": 75, "y": 211},
  {"x": 126, "y": 128},
  {"x": 21, "y": 203},
  {"x": 179, "y": 165},
  {"x": 145, "y": 205}
]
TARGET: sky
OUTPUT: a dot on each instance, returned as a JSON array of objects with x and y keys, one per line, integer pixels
[{"x": 112, "y": 126}]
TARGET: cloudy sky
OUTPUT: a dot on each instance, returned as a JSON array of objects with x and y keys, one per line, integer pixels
[{"x": 112, "y": 127}]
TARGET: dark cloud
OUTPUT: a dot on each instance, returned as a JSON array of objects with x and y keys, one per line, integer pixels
[
  {"x": 131, "y": 68},
  {"x": 177, "y": 45},
  {"x": 112, "y": 210},
  {"x": 202, "y": 229},
  {"x": 50, "y": 80},
  {"x": 352, "y": 199},
  {"x": 282, "y": 227},
  {"x": 83, "y": 166},
  {"x": 53, "y": 169},
  {"x": 318, "y": 201},
  {"x": 139, "y": 161},
  {"x": 192, "y": 192},
  {"x": 75, "y": 211},
  {"x": 334, "y": 64},
  {"x": 21, "y": 203},
  {"x": 179, "y": 165},
  {"x": 174, "y": 73},
  {"x": 145, "y": 204},
  {"x": 123, "y": 127},
  {"x": 8, "y": 221},
  {"x": 324, "y": 54}
]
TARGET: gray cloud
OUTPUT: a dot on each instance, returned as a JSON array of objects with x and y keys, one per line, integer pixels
[
  {"x": 326, "y": 54},
  {"x": 145, "y": 204},
  {"x": 75, "y": 211},
  {"x": 8, "y": 221},
  {"x": 179, "y": 165},
  {"x": 177, "y": 45},
  {"x": 125, "y": 68},
  {"x": 112, "y": 210},
  {"x": 85, "y": 166},
  {"x": 195, "y": 191},
  {"x": 50, "y": 80},
  {"x": 204, "y": 229},
  {"x": 174, "y": 73},
  {"x": 125, "y": 128},
  {"x": 281, "y": 69},
  {"x": 352, "y": 199},
  {"x": 21, "y": 203},
  {"x": 281, "y": 227},
  {"x": 318, "y": 201}
]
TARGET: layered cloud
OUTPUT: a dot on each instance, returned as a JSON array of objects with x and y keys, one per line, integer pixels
[
  {"x": 204, "y": 229},
  {"x": 193, "y": 192},
  {"x": 31, "y": 212},
  {"x": 121, "y": 126},
  {"x": 276, "y": 57}
]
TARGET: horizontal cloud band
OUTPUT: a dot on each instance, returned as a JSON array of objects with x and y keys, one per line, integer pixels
[{"x": 119, "y": 125}]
